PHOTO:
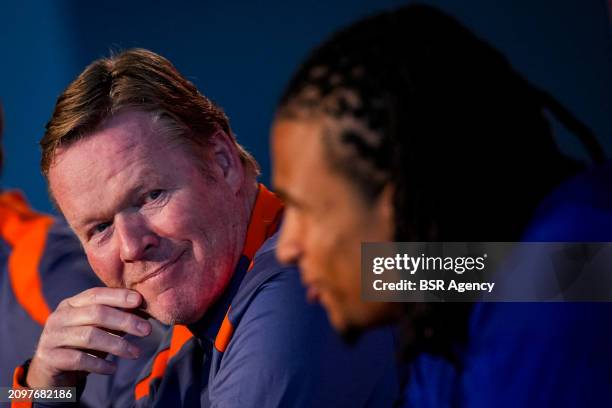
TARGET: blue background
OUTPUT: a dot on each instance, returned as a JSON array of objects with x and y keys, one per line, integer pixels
[{"x": 242, "y": 53}]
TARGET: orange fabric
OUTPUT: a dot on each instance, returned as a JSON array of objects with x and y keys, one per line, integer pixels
[
  {"x": 225, "y": 333},
  {"x": 180, "y": 336},
  {"x": 159, "y": 366},
  {"x": 264, "y": 220},
  {"x": 18, "y": 382},
  {"x": 26, "y": 232}
]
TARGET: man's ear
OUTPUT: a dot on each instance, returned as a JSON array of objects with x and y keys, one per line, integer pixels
[{"x": 226, "y": 159}]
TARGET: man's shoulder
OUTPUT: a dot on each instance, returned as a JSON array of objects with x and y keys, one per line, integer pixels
[
  {"x": 265, "y": 257},
  {"x": 271, "y": 300},
  {"x": 264, "y": 269},
  {"x": 284, "y": 347}
]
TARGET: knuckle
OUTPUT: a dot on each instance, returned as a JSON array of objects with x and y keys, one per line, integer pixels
[
  {"x": 80, "y": 360},
  {"x": 128, "y": 322},
  {"x": 44, "y": 338},
  {"x": 88, "y": 335},
  {"x": 42, "y": 356},
  {"x": 97, "y": 312},
  {"x": 65, "y": 303},
  {"x": 92, "y": 295},
  {"x": 87, "y": 295},
  {"x": 51, "y": 321},
  {"x": 50, "y": 329},
  {"x": 120, "y": 345},
  {"x": 73, "y": 361}
]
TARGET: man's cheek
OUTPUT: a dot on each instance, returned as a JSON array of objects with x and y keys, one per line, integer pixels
[
  {"x": 111, "y": 280},
  {"x": 109, "y": 274}
]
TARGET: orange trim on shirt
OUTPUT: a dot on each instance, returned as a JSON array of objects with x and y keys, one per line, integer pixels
[
  {"x": 157, "y": 370},
  {"x": 18, "y": 383},
  {"x": 180, "y": 336},
  {"x": 226, "y": 331},
  {"x": 26, "y": 232},
  {"x": 265, "y": 217}
]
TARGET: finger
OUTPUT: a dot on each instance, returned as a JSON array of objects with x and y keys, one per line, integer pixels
[
  {"x": 76, "y": 360},
  {"x": 93, "y": 338},
  {"x": 107, "y": 296},
  {"x": 141, "y": 311},
  {"x": 108, "y": 318}
]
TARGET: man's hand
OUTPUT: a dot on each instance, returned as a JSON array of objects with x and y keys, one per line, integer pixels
[{"x": 79, "y": 328}]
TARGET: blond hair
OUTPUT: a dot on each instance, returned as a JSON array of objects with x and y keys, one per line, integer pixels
[{"x": 140, "y": 79}]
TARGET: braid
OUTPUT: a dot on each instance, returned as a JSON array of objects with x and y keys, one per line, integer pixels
[{"x": 571, "y": 123}]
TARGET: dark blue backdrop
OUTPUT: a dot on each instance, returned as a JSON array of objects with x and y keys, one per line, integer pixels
[{"x": 241, "y": 54}]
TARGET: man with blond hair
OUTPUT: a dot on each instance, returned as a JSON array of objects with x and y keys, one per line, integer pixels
[{"x": 166, "y": 204}]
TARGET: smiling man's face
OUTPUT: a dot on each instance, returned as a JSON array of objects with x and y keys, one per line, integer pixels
[{"x": 149, "y": 217}]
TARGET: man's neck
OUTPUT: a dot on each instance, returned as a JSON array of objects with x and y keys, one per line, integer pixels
[{"x": 250, "y": 192}]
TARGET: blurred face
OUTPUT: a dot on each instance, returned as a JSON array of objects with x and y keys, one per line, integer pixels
[
  {"x": 149, "y": 218},
  {"x": 325, "y": 222}
]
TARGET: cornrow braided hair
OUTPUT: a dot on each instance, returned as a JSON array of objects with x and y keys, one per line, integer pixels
[{"x": 413, "y": 98}]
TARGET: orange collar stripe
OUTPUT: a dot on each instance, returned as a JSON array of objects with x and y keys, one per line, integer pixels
[
  {"x": 264, "y": 220},
  {"x": 225, "y": 333},
  {"x": 180, "y": 336}
]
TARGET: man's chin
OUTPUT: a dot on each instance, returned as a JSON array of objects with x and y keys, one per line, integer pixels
[
  {"x": 348, "y": 331},
  {"x": 173, "y": 315},
  {"x": 351, "y": 324},
  {"x": 350, "y": 335}
]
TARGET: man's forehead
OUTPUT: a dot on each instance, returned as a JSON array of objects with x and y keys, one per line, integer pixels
[
  {"x": 109, "y": 163},
  {"x": 133, "y": 132},
  {"x": 126, "y": 130},
  {"x": 297, "y": 157}
]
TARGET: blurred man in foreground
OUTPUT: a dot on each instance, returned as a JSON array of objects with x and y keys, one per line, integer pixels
[{"x": 406, "y": 127}]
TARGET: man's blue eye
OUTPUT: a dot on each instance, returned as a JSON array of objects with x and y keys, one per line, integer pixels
[
  {"x": 154, "y": 195},
  {"x": 101, "y": 227}
]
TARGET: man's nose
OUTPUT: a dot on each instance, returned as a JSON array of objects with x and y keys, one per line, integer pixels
[
  {"x": 289, "y": 247},
  {"x": 136, "y": 238}
]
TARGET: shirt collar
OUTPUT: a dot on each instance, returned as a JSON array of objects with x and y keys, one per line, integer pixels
[{"x": 265, "y": 218}]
